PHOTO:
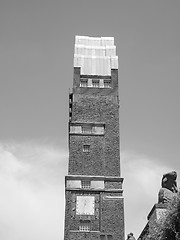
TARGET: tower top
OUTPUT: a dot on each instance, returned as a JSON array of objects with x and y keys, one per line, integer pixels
[{"x": 95, "y": 55}]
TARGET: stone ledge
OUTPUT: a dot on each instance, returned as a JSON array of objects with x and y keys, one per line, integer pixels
[
  {"x": 94, "y": 190},
  {"x": 87, "y": 134},
  {"x": 84, "y": 231},
  {"x": 91, "y": 177}
]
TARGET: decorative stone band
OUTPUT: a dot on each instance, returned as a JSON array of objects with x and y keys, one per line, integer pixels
[
  {"x": 112, "y": 197},
  {"x": 95, "y": 178},
  {"x": 87, "y": 128},
  {"x": 95, "y": 55},
  {"x": 78, "y": 184},
  {"x": 95, "y": 190},
  {"x": 95, "y": 82},
  {"x": 96, "y": 183}
]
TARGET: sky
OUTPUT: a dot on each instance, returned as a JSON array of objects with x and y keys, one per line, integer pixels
[{"x": 36, "y": 72}]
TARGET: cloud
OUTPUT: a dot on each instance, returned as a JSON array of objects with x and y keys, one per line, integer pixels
[
  {"x": 34, "y": 162},
  {"x": 32, "y": 191},
  {"x": 142, "y": 181}
]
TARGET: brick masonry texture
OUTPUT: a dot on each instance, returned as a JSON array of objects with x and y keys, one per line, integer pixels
[
  {"x": 113, "y": 185},
  {"x": 95, "y": 106},
  {"x": 99, "y": 110},
  {"x": 86, "y": 163},
  {"x": 83, "y": 236},
  {"x": 110, "y": 218}
]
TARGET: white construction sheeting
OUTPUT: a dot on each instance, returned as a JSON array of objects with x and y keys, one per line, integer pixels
[{"x": 95, "y": 55}]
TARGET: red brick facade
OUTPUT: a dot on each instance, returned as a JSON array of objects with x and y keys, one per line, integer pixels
[{"x": 94, "y": 201}]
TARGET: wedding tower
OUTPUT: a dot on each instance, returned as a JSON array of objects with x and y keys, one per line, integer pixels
[{"x": 93, "y": 186}]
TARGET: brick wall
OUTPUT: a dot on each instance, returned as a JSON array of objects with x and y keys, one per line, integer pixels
[
  {"x": 96, "y": 105},
  {"x": 112, "y": 215},
  {"x": 108, "y": 221}
]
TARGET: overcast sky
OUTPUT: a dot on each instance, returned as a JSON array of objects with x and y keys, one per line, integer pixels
[{"x": 36, "y": 71}]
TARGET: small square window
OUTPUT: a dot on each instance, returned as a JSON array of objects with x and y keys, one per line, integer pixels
[
  {"x": 86, "y": 148},
  {"x": 83, "y": 83},
  {"x": 84, "y": 226},
  {"x": 107, "y": 83},
  {"x": 102, "y": 237},
  {"x": 109, "y": 237},
  {"x": 87, "y": 129},
  {"x": 95, "y": 83},
  {"x": 86, "y": 184}
]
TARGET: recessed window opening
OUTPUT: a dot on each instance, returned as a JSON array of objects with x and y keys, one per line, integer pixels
[
  {"x": 102, "y": 237},
  {"x": 109, "y": 237},
  {"x": 107, "y": 83},
  {"x": 86, "y": 148},
  {"x": 95, "y": 83},
  {"x": 84, "y": 226},
  {"x": 86, "y": 129},
  {"x": 86, "y": 184},
  {"x": 83, "y": 83},
  {"x": 70, "y": 98}
]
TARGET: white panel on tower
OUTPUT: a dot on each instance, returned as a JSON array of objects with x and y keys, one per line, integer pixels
[
  {"x": 114, "y": 62},
  {"x": 94, "y": 66},
  {"x": 97, "y": 65},
  {"x": 105, "y": 66},
  {"x": 82, "y": 64},
  {"x": 101, "y": 66},
  {"x": 80, "y": 60},
  {"x": 110, "y": 51},
  {"x": 95, "y": 56},
  {"x": 85, "y": 64},
  {"x": 89, "y": 59},
  {"x": 108, "y": 66},
  {"x": 75, "y": 61}
]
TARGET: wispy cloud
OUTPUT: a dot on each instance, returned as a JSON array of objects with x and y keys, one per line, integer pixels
[
  {"x": 32, "y": 191},
  {"x": 142, "y": 181}
]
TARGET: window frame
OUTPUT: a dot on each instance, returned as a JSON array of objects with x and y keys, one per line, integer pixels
[
  {"x": 107, "y": 83},
  {"x": 95, "y": 83},
  {"x": 85, "y": 184},
  {"x": 83, "y": 82},
  {"x": 85, "y": 226},
  {"x": 86, "y": 148},
  {"x": 86, "y": 129}
]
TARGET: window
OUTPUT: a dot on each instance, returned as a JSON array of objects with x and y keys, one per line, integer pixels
[
  {"x": 84, "y": 226},
  {"x": 95, "y": 83},
  {"x": 83, "y": 83},
  {"x": 109, "y": 237},
  {"x": 70, "y": 98},
  {"x": 86, "y": 184},
  {"x": 87, "y": 129},
  {"x": 106, "y": 237},
  {"x": 107, "y": 83},
  {"x": 86, "y": 148},
  {"x": 70, "y": 115},
  {"x": 102, "y": 237}
]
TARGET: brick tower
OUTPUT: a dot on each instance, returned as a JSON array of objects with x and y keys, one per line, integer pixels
[{"x": 94, "y": 201}]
